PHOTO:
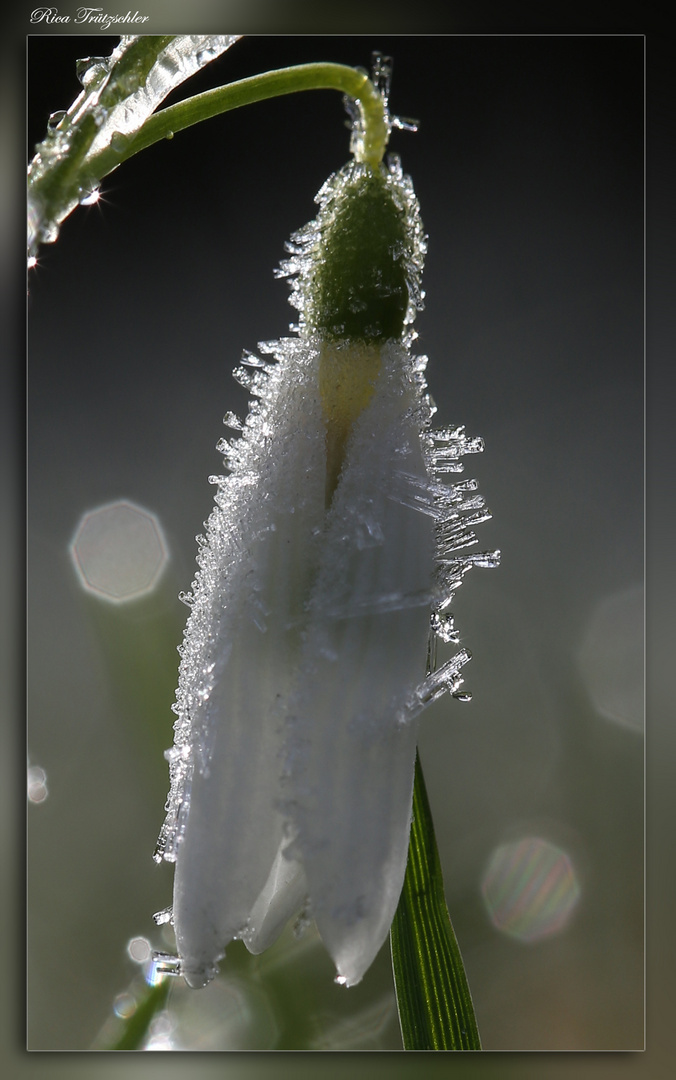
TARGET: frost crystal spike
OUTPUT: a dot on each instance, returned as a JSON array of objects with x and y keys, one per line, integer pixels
[{"x": 333, "y": 538}]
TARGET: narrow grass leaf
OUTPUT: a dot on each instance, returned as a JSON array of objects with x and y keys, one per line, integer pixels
[{"x": 433, "y": 996}]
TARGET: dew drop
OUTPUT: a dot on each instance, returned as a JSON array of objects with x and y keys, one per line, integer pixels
[
  {"x": 169, "y": 135},
  {"x": 54, "y": 120},
  {"x": 462, "y": 695},
  {"x": 90, "y": 196},
  {"x": 91, "y": 70}
]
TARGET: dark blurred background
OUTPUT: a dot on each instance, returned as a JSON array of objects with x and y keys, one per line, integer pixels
[{"x": 529, "y": 169}]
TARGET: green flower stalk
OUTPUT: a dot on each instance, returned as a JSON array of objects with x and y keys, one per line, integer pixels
[{"x": 113, "y": 118}]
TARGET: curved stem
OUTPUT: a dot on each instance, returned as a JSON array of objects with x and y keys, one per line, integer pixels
[
  {"x": 269, "y": 84},
  {"x": 64, "y": 169}
]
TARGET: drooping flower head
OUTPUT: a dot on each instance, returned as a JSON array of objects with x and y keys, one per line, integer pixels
[{"x": 329, "y": 561}]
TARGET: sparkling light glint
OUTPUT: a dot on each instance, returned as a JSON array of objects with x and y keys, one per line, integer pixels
[{"x": 530, "y": 889}]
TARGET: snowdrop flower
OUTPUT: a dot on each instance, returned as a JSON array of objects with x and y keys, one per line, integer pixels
[{"x": 333, "y": 537}]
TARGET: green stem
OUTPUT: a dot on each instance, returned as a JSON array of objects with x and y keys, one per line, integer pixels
[
  {"x": 62, "y": 172},
  {"x": 433, "y": 996},
  {"x": 269, "y": 84}
]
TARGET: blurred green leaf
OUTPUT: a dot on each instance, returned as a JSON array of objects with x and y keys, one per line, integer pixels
[{"x": 136, "y": 1026}]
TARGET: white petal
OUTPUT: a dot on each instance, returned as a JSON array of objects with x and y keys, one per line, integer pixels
[
  {"x": 240, "y": 650},
  {"x": 281, "y": 897},
  {"x": 350, "y": 761}
]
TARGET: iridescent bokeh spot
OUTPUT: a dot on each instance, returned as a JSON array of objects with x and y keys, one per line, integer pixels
[
  {"x": 36, "y": 778},
  {"x": 530, "y": 889},
  {"x": 119, "y": 551}
]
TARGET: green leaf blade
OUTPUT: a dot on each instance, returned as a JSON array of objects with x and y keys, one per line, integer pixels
[{"x": 433, "y": 995}]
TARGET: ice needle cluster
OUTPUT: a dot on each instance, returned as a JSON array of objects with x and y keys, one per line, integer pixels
[{"x": 329, "y": 562}]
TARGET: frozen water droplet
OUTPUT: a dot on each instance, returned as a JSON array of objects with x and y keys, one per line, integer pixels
[
  {"x": 91, "y": 70},
  {"x": 462, "y": 695},
  {"x": 186, "y": 598},
  {"x": 340, "y": 980},
  {"x": 55, "y": 119},
  {"x": 90, "y": 196},
  {"x": 166, "y": 915}
]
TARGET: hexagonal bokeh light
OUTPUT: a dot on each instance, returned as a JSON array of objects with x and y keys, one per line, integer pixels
[
  {"x": 119, "y": 551},
  {"x": 530, "y": 889}
]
